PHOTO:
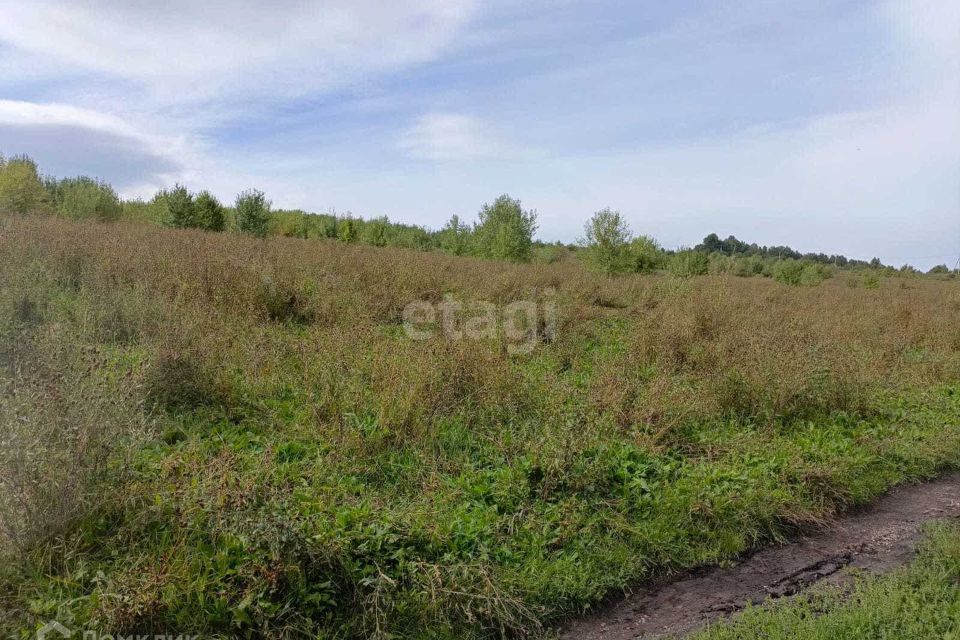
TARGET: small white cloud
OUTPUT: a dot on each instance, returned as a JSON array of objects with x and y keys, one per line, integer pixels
[
  {"x": 22, "y": 113},
  {"x": 448, "y": 136}
]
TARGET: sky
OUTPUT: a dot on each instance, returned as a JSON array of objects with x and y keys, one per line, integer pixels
[{"x": 828, "y": 126}]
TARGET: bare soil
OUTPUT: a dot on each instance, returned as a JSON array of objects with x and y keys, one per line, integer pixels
[{"x": 877, "y": 538}]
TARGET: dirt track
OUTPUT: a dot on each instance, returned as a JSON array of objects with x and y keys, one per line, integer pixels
[{"x": 877, "y": 538}]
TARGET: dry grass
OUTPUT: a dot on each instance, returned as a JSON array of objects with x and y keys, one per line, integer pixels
[
  {"x": 685, "y": 349},
  {"x": 303, "y": 440}
]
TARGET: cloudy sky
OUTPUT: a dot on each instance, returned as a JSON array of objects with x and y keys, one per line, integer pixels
[{"x": 830, "y": 126}]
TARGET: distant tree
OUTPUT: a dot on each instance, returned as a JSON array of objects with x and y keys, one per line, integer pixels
[
  {"x": 181, "y": 208},
  {"x": 377, "y": 232},
  {"x": 789, "y": 271},
  {"x": 348, "y": 230},
  {"x": 253, "y": 213},
  {"x": 413, "y": 237},
  {"x": 21, "y": 189},
  {"x": 687, "y": 263},
  {"x": 645, "y": 254},
  {"x": 505, "y": 230},
  {"x": 606, "y": 242},
  {"x": 455, "y": 237},
  {"x": 84, "y": 198},
  {"x": 939, "y": 269},
  {"x": 710, "y": 244},
  {"x": 209, "y": 212},
  {"x": 326, "y": 225}
]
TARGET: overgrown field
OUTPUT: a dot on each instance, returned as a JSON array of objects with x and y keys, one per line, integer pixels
[{"x": 213, "y": 434}]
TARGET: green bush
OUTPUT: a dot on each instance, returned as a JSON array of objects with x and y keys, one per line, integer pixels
[
  {"x": 748, "y": 267},
  {"x": 606, "y": 242},
  {"x": 21, "y": 190},
  {"x": 455, "y": 237},
  {"x": 505, "y": 230},
  {"x": 788, "y": 272},
  {"x": 181, "y": 209},
  {"x": 645, "y": 254},
  {"x": 85, "y": 198},
  {"x": 348, "y": 230},
  {"x": 377, "y": 232},
  {"x": 209, "y": 212},
  {"x": 871, "y": 280},
  {"x": 253, "y": 213},
  {"x": 687, "y": 263}
]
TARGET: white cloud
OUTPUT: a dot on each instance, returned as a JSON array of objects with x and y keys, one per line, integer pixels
[
  {"x": 186, "y": 50},
  {"x": 69, "y": 140},
  {"x": 22, "y": 113},
  {"x": 449, "y": 136}
]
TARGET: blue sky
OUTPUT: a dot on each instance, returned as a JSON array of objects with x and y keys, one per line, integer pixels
[{"x": 828, "y": 126}]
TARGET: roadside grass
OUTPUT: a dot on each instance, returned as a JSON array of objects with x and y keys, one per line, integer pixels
[
  {"x": 918, "y": 602},
  {"x": 252, "y": 447}
]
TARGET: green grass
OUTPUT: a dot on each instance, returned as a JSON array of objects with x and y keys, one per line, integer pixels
[
  {"x": 261, "y": 474},
  {"x": 919, "y": 602}
]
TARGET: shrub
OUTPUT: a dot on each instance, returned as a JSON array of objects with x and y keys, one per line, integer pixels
[
  {"x": 645, "y": 254},
  {"x": 377, "y": 232},
  {"x": 209, "y": 212},
  {"x": 687, "y": 263},
  {"x": 748, "y": 267},
  {"x": 348, "y": 230},
  {"x": 788, "y": 272},
  {"x": 82, "y": 197},
  {"x": 505, "y": 230},
  {"x": 455, "y": 237},
  {"x": 21, "y": 190},
  {"x": 815, "y": 273},
  {"x": 181, "y": 208},
  {"x": 606, "y": 242},
  {"x": 253, "y": 213}
]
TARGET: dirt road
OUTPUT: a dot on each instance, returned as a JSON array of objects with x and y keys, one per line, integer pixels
[{"x": 876, "y": 538}]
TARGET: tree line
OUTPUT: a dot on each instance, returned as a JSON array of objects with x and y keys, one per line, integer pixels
[{"x": 502, "y": 230}]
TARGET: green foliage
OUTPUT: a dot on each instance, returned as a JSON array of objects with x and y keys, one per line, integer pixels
[
  {"x": 734, "y": 247},
  {"x": 871, "y": 280},
  {"x": 209, "y": 212},
  {"x": 814, "y": 273},
  {"x": 645, "y": 254},
  {"x": 505, "y": 231},
  {"x": 181, "y": 209},
  {"x": 348, "y": 230},
  {"x": 606, "y": 243},
  {"x": 455, "y": 237},
  {"x": 314, "y": 473},
  {"x": 376, "y": 232},
  {"x": 940, "y": 269},
  {"x": 688, "y": 263},
  {"x": 85, "y": 198},
  {"x": 21, "y": 189},
  {"x": 253, "y": 213},
  {"x": 748, "y": 266},
  {"x": 789, "y": 272}
]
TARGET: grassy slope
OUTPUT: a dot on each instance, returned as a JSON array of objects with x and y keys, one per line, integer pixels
[
  {"x": 256, "y": 448},
  {"x": 916, "y": 603}
]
